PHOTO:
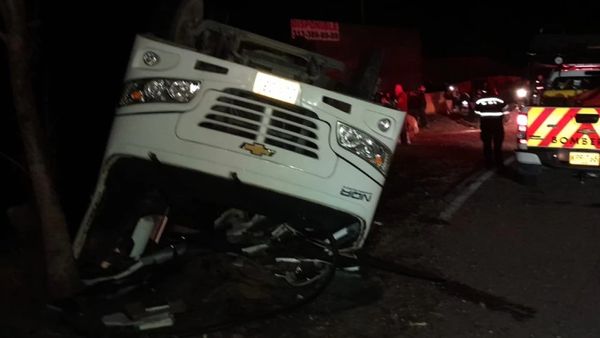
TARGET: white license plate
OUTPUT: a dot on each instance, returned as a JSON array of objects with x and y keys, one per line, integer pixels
[
  {"x": 592, "y": 159},
  {"x": 276, "y": 87}
]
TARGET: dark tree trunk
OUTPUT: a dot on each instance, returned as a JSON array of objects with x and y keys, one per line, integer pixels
[{"x": 62, "y": 279}]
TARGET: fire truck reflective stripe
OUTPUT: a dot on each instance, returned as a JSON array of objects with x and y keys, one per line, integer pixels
[
  {"x": 589, "y": 111},
  {"x": 562, "y": 139},
  {"x": 559, "y": 126},
  {"x": 538, "y": 115},
  {"x": 578, "y": 135},
  {"x": 586, "y": 136},
  {"x": 572, "y": 135},
  {"x": 547, "y": 125}
]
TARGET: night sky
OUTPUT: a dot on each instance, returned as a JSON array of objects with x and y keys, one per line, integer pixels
[
  {"x": 82, "y": 49},
  {"x": 499, "y": 29}
]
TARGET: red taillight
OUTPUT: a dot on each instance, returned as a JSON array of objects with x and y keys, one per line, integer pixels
[{"x": 588, "y": 66}]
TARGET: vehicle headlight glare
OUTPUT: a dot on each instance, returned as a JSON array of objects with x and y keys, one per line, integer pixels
[
  {"x": 182, "y": 91},
  {"x": 348, "y": 137},
  {"x": 521, "y": 93},
  {"x": 156, "y": 90},
  {"x": 159, "y": 91},
  {"x": 368, "y": 151},
  {"x": 364, "y": 146}
]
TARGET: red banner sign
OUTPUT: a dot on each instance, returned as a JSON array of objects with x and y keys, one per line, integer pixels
[{"x": 315, "y": 30}]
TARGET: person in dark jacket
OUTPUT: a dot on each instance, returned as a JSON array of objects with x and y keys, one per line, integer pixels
[
  {"x": 420, "y": 106},
  {"x": 417, "y": 104},
  {"x": 400, "y": 100},
  {"x": 492, "y": 115}
]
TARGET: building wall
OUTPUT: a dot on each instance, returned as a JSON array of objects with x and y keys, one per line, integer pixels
[
  {"x": 400, "y": 48},
  {"x": 459, "y": 69}
]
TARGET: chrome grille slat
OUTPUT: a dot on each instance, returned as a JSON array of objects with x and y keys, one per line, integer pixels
[
  {"x": 234, "y": 111},
  {"x": 233, "y": 121},
  {"x": 291, "y": 147},
  {"x": 291, "y": 127},
  {"x": 261, "y": 119},
  {"x": 292, "y": 138},
  {"x": 228, "y": 129},
  {"x": 294, "y": 118},
  {"x": 242, "y": 103}
]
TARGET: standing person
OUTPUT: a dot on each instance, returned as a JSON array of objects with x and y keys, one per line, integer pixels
[
  {"x": 386, "y": 100},
  {"x": 449, "y": 97},
  {"x": 400, "y": 100},
  {"x": 492, "y": 116},
  {"x": 413, "y": 103},
  {"x": 420, "y": 106}
]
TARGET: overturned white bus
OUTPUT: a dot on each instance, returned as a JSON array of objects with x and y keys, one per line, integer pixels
[{"x": 238, "y": 139}]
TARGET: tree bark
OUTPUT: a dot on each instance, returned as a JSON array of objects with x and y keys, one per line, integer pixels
[{"x": 61, "y": 273}]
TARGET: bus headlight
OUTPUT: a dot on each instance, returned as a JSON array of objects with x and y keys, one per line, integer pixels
[
  {"x": 159, "y": 91},
  {"x": 365, "y": 146}
]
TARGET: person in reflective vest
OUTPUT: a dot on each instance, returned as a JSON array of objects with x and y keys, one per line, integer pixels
[{"x": 492, "y": 115}]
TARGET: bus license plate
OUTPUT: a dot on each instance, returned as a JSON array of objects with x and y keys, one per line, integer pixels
[
  {"x": 276, "y": 87},
  {"x": 592, "y": 159}
]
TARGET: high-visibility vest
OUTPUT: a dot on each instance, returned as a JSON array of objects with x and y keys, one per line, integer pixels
[{"x": 490, "y": 107}]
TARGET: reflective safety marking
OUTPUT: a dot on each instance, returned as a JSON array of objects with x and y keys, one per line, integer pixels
[
  {"x": 538, "y": 115},
  {"x": 489, "y": 100},
  {"x": 586, "y": 136},
  {"x": 546, "y": 125},
  {"x": 558, "y": 128},
  {"x": 490, "y": 113}
]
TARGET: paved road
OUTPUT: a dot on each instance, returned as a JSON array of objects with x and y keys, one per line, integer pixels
[
  {"x": 537, "y": 246},
  {"x": 391, "y": 305}
]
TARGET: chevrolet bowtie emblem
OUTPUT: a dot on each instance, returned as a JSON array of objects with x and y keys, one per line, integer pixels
[{"x": 257, "y": 149}]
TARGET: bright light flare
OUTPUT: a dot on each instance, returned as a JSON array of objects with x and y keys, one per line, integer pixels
[{"x": 521, "y": 93}]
